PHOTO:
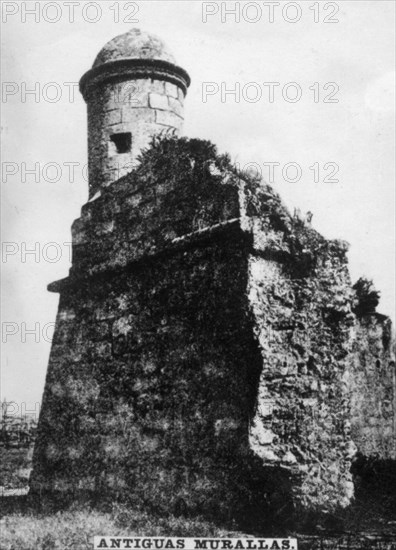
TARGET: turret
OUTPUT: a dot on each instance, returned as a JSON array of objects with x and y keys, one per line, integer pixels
[{"x": 134, "y": 91}]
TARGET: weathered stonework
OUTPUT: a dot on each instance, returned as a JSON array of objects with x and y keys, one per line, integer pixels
[
  {"x": 207, "y": 356},
  {"x": 372, "y": 388}
]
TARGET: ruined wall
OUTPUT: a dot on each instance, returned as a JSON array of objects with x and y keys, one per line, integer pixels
[
  {"x": 152, "y": 377},
  {"x": 303, "y": 410},
  {"x": 371, "y": 383},
  {"x": 154, "y": 370},
  {"x": 202, "y": 345},
  {"x": 301, "y": 298}
]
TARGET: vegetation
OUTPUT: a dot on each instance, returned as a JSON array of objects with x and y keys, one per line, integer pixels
[
  {"x": 75, "y": 528},
  {"x": 367, "y": 298},
  {"x": 15, "y": 430}
]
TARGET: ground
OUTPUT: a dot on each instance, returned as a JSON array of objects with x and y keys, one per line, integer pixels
[
  {"x": 370, "y": 524},
  {"x": 74, "y": 529}
]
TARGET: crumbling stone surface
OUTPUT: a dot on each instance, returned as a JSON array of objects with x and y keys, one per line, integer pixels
[
  {"x": 303, "y": 326},
  {"x": 372, "y": 388},
  {"x": 205, "y": 348}
]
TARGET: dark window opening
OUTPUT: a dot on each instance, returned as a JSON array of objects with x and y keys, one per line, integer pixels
[
  {"x": 378, "y": 364},
  {"x": 123, "y": 142}
]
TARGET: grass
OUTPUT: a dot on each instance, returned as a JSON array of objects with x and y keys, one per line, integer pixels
[
  {"x": 75, "y": 529},
  {"x": 23, "y": 527},
  {"x": 15, "y": 466}
]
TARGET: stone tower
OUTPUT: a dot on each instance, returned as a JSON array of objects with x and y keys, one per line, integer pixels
[
  {"x": 133, "y": 91},
  {"x": 207, "y": 355}
]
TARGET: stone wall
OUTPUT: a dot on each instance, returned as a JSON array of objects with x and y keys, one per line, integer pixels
[
  {"x": 302, "y": 415},
  {"x": 372, "y": 388},
  {"x": 153, "y": 373},
  {"x": 154, "y": 368},
  {"x": 203, "y": 348},
  {"x": 301, "y": 298}
]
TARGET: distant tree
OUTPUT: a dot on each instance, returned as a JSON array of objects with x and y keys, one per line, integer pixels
[
  {"x": 367, "y": 298},
  {"x": 4, "y": 406}
]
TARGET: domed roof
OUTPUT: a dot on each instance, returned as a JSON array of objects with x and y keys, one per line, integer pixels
[{"x": 134, "y": 44}]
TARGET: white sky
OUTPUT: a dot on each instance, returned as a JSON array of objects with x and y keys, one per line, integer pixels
[{"x": 356, "y": 133}]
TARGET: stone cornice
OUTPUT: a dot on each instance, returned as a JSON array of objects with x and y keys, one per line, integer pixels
[
  {"x": 229, "y": 230},
  {"x": 125, "y": 69}
]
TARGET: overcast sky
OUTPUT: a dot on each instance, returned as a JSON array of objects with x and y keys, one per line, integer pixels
[{"x": 351, "y": 140}]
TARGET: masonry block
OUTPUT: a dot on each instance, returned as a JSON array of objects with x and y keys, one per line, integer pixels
[
  {"x": 168, "y": 118},
  {"x": 171, "y": 90},
  {"x": 158, "y": 101},
  {"x": 176, "y": 106}
]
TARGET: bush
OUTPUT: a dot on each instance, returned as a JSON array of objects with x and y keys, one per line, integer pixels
[{"x": 367, "y": 298}]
